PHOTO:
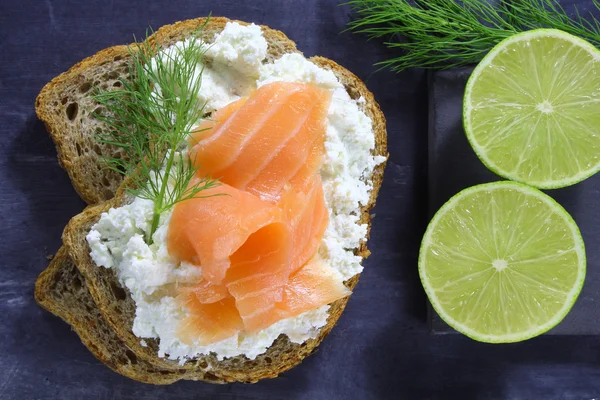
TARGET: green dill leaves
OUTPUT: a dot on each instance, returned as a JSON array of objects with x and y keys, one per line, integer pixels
[
  {"x": 151, "y": 118},
  {"x": 449, "y": 33}
]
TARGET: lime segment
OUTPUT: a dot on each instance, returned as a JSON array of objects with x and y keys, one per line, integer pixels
[
  {"x": 502, "y": 262},
  {"x": 532, "y": 109}
]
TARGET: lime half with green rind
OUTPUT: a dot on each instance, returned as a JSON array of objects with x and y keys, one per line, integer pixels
[
  {"x": 502, "y": 262},
  {"x": 531, "y": 109}
]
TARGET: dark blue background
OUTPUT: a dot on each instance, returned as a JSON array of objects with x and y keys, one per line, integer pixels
[{"x": 381, "y": 347}]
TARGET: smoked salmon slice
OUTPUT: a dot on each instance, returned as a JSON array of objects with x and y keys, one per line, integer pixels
[
  {"x": 277, "y": 241},
  {"x": 313, "y": 285},
  {"x": 267, "y": 140},
  {"x": 256, "y": 236},
  {"x": 245, "y": 243},
  {"x": 255, "y": 285},
  {"x": 207, "y": 292},
  {"x": 208, "y": 230},
  {"x": 303, "y": 177},
  {"x": 208, "y": 323},
  {"x": 207, "y": 127},
  {"x": 306, "y": 213}
]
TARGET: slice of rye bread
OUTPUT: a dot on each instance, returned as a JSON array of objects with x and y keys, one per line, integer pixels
[
  {"x": 118, "y": 308},
  {"x": 66, "y": 106}
]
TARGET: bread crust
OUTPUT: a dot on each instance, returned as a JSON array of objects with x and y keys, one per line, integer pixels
[{"x": 115, "y": 304}]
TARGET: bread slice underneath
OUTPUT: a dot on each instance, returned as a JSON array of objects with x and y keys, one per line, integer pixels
[
  {"x": 62, "y": 290},
  {"x": 114, "y": 303}
]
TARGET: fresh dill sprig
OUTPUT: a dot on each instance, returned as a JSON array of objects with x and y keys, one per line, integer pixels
[
  {"x": 151, "y": 119},
  {"x": 448, "y": 33}
]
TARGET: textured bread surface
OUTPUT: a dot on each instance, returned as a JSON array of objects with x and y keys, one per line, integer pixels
[{"x": 114, "y": 309}]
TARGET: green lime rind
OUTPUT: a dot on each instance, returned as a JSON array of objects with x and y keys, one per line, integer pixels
[
  {"x": 554, "y": 208},
  {"x": 590, "y": 167}
]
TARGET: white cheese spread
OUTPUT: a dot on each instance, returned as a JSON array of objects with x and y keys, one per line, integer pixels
[{"x": 234, "y": 67}]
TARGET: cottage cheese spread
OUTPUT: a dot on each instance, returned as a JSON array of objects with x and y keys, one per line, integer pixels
[
  {"x": 234, "y": 67},
  {"x": 234, "y": 60}
]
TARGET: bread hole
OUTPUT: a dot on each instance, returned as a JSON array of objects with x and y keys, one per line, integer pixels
[
  {"x": 107, "y": 194},
  {"x": 268, "y": 360},
  {"x": 97, "y": 150},
  {"x": 210, "y": 377},
  {"x": 77, "y": 283},
  {"x": 85, "y": 87},
  {"x": 203, "y": 365},
  {"x": 78, "y": 148},
  {"x": 105, "y": 182},
  {"x": 104, "y": 86},
  {"x": 113, "y": 75},
  {"x": 118, "y": 291},
  {"x": 64, "y": 100},
  {"x": 72, "y": 111},
  {"x": 117, "y": 58},
  {"x": 131, "y": 357},
  {"x": 165, "y": 372},
  {"x": 98, "y": 111}
]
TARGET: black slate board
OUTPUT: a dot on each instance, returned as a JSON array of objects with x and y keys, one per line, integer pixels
[{"x": 453, "y": 166}]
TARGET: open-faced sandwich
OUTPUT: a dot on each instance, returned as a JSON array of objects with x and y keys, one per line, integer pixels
[{"x": 229, "y": 250}]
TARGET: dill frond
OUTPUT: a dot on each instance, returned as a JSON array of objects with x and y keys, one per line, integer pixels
[
  {"x": 151, "y": 118},
  {"x": 448, "y": 33}
]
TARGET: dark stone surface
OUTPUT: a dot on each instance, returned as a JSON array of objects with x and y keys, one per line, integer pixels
[{"x": 381, "y": 348}]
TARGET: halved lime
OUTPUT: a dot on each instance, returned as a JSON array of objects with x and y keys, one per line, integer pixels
[
  {"x": 502, "y": 262},
  {"x": 532, "y": 109}
]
